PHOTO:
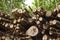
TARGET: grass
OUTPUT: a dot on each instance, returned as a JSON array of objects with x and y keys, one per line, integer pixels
[
  {"x": 47, "y": 4},
  {"x": 8, "y": 5}
]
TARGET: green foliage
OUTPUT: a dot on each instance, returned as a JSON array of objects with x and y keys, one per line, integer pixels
[
  {"x": 47, "y": 4},
  {"x": 8, "y": 5}
]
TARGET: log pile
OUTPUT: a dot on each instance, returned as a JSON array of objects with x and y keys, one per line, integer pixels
[{"x": 44, "y": 25}]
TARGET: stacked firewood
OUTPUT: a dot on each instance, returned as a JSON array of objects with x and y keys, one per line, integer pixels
[{"x": 43, "y": 25}]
